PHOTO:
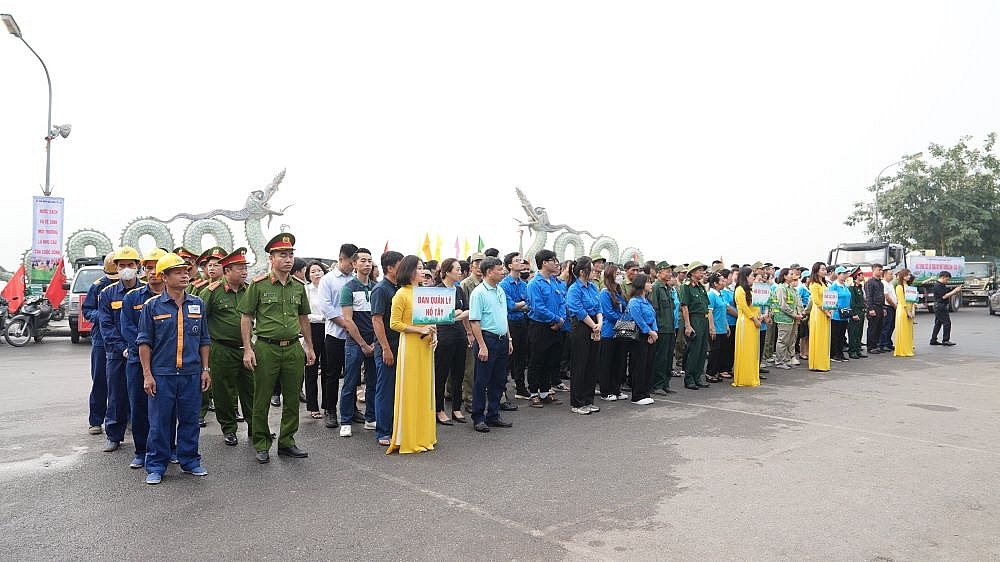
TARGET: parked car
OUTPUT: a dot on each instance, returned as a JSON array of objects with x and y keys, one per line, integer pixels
[{"x": 84, "y": 278}]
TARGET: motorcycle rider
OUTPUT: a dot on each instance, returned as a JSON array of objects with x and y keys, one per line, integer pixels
[
  {"x": 109, "y": 308},
  {"x": 98, "y": 358}
]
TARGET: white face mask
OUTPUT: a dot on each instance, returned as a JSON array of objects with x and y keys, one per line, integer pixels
[{"x": 127, "y": 273}]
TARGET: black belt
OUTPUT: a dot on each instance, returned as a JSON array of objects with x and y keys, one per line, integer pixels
[
  {"x": 229, "y": 344},
  {"x": 497, "y": 336},
  {"x": 279, "y": 343}
]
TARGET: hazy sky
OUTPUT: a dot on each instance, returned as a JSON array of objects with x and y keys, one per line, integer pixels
[{"x": 690, "y": 130}]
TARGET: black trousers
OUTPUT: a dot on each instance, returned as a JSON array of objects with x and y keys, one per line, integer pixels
[
  {"x": 942, "y": 319},
  {"x": 518, "y": 332},
  {"x": 565, "y": 350},
  {"x": 717, "y": 350},
  {"x": 611, "y": 371},
  {"x": 331, "y": 377},
  {"x": 875, "y": 328},
  {"x": 543, "y": 362},
  {"x": 641, "y": 368},
  {"x": 583, "y": 364},
  {"x": 449, "y": 364},
  {"x": 838, "y": 335},
  {"x": 312, "y": 371}
]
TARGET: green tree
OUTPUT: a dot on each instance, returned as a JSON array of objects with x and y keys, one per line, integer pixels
[{"x": 947, "y": 200}]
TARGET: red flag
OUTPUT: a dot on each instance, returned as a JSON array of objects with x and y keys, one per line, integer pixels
[
  {"x": 55, "y": 293},
  {"x": 14, "y": 291},
  {"x": 386, "y": 247}
]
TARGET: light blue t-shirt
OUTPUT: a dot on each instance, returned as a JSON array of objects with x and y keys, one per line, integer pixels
[
  {"x": 717, "y": 306},
  {"x": 488, "y": 305}
]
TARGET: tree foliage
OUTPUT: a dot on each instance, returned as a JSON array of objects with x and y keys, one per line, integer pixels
[{"x": 948, "y": 200}]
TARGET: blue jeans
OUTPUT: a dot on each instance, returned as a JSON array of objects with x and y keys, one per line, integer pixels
[
  {"x": 117, "y": 416},
  {"x": 385, "y": 394},
  {"x": 491, "y": 378},
  {"x": 180, "y": 394},
  {"x": 353, "y": 358},
  {"x": 888, "y": 325},
  {"x": 99, "y": 385}
]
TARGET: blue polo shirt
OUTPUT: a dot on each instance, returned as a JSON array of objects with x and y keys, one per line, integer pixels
[
  {"x": 730, "y": 298},
  {"x": 488, "y": 305},
  {"x": 843, "y": 299},
  {"x": 717, "y": 307},
  {"x": 162, "y": 326},
  {"x": 581, "y": 300},
  {"x": 516, "y": 291}
]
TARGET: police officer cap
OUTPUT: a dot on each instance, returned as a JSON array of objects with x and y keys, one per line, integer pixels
[
  {"x": 281, "y": 242},
  {"x": 663, "y": 265},
  {"x": 213, "y": 253},
  {"x": 239, "y": 255}
]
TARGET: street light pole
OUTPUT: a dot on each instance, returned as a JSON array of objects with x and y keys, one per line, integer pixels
[
  {"x": 878, "y": 188},
  {"x": 50, "y": 133}
]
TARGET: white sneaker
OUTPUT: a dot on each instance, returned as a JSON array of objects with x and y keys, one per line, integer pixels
[
  {"x": 592, "y": 408},
  {"x": 795, "y": 362},
  {"x": 644, "y": 402},
  {"x": 345, "y": 430},
  {"x": 370, "y": 426},
  {"x": 583, "y": 411},
  {"x": 609, "y": 398},
  {"x": 783, "y": 366},
  {"x": 623, "y": 396}
]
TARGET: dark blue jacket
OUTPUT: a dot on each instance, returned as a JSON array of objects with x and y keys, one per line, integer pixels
[{"x": 162, "y": 325}]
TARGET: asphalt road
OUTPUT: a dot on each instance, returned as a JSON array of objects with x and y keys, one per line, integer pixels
[{"x": 881, "y": 459}]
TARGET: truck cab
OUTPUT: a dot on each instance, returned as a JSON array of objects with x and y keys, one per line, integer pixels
[
  {"x": 865, "y": 254},
  {"x": 980, "y": 281}
]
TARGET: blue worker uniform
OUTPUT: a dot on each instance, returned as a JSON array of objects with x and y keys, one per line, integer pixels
[
  {"x": 98, "y": 358},
  {"x": 137, "y": 399},
  {"x": 109, "y": 307},
  {"x": 177, "y": 372}
]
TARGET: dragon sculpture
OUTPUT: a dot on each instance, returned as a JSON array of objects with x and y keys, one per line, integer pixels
[
  {"x": 539, "y": 224},
  {"x": 256, "y": 209}
]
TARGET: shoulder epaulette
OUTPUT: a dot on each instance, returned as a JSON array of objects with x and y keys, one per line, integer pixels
[
  {"x": 260, "y": 277},
  {"x": 214, "y": 285},
  {"x": 302, "y": 281},
  {"x": 199, "y": 283}
]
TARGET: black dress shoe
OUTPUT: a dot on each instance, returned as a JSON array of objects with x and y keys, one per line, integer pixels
[
  {"x": 765, "y": 371},
  {"x": 292, "y": 451},
  {"x": 275, "y": 400},
  {"x": 935, "y": 342},
  {"x": 468, "y": 408},
  {"x": 481, "y": 427},
  {"x": 444, "y": 422},
  {"x": 499, "y": 423},
  {"x": 230, "y": 439},
  {"x": 202, "y": 423},
  {"x": 948, "y": 343},
  {"x": 330, "y": 420},
  {"x": 691, "y": 386},
  {"x": 459, "y": 420},
  {"x": 862, "y": 355},
  {"x": 302, "y": 397},
  {"x": 263, "y": 457},
  {"x": 508, "y": 407},
  {"x": 703, "y": 385},
  {"x": 358, "y": 418}
]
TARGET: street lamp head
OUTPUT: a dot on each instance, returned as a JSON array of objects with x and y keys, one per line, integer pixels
[
  {"x": 62, "y": 130},
  {"x": 12, "y": 27}
]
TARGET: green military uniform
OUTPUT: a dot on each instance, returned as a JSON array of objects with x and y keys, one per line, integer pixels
[
  {"x": 663, "y": 303},
  {"x": 230, "y": 378},
  {"x": 694, "y": 296},
  {"x": 276, "y": 308},
  {"x": 198, "y": 289},
  {"x": 855, "y": 327}
]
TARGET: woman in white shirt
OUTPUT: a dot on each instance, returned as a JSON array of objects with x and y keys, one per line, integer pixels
[{"x": 314, "y": 273}]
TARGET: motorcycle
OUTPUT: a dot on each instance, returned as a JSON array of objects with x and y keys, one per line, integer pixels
[
  {"x": 3, "y": 312},
  {"x": 31, "y": 321},
  {"x": 59, "y": 314}
]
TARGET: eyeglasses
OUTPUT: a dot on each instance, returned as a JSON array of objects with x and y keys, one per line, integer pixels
[{"x": 548, "y": 260}]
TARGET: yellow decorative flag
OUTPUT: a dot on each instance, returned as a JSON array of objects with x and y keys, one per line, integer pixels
[
  {"x": 427, "y": 246},
  {"x": 437, "y": 247},
  {"x": 466, "y": 248}
]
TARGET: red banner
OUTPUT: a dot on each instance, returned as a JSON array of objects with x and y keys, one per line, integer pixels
[
  {"x": 55, "y": 293},
  {"x": 14, "y": 291}
]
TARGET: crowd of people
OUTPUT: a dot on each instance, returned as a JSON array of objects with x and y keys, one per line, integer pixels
[{"x": 170, "y": 347}]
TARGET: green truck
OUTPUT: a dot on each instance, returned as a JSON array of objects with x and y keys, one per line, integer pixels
[{"x": 980, "y": 281}]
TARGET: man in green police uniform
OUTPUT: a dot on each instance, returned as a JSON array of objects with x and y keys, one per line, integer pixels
[
  {"x": 662, "y": 299},
  {"x": 279, "y": 306},
  {"x": 231, "y": 378},
  {"x": 694, "y": 313},
  {"x": 209, "y": 260}
]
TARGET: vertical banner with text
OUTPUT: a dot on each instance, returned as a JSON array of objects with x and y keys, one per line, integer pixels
[{"x": 47, "y": 238}]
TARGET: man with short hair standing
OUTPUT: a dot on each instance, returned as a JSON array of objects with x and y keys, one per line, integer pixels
[
  {"x": 875, "y": 303},
  {"x": 386, "y": 346},
  {"x": 546, "y": 316},
  {"x": 329, "y": 290},
  {"x": 355, "y": 304},
  {"x": 468, "y": 285},
  {"x": 488, "y": 318},
  {"x": 889, "y": 320},
  {"x": 516, "y": 292},
  {"x": 942, "y": 319},
  {"x": 662, "y": 300},
  {"x": 276, "y": 307}
]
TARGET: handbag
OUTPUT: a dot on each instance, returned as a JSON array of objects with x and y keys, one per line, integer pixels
[{"x": 625, "y": 328}]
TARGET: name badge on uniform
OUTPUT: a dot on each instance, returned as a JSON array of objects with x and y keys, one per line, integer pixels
[{"x": 194, "y": 309}]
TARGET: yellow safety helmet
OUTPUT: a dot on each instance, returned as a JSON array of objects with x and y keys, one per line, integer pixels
[
  {"x": 109, "y": 265},
  {"x": 154, "y": 255},
  {"x": 169, "y": 261},
  {"x": 127, "y": 253}
]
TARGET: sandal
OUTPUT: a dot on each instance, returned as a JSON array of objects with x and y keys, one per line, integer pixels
[
  {"x": 384, "y": 442},
  {"x": 726, "y": 376},
  {"x": 316, "y": 415}
]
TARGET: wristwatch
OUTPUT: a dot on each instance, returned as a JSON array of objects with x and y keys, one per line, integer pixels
[{"x": 206, "y": 369}]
